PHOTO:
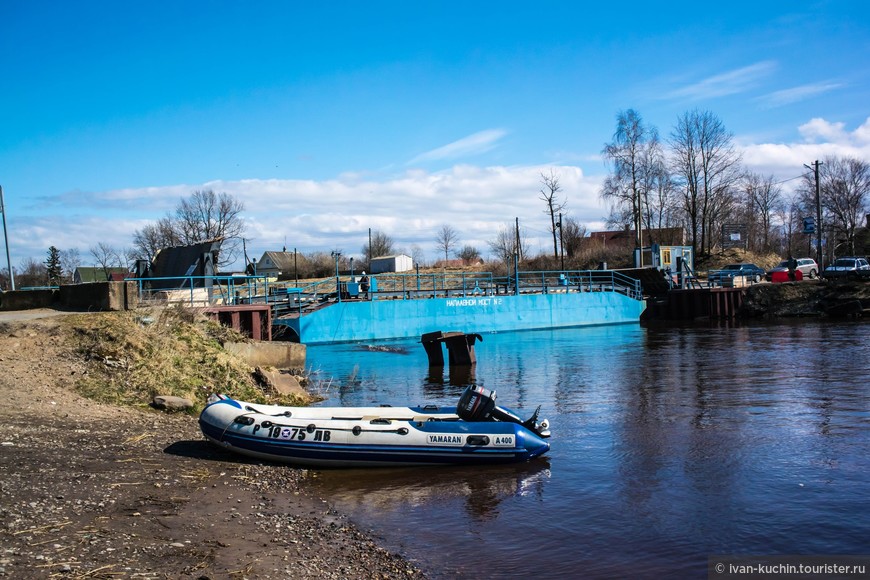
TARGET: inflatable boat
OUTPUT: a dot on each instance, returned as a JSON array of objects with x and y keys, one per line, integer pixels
[{"x": 476, "y": 431}]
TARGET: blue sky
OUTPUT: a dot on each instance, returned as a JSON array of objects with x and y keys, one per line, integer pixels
[{"x": 329, "y": 119}]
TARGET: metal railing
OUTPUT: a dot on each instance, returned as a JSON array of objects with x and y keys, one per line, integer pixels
[
  {"x": 731, "y": 279},
  {"x": 287, "y": 298}
]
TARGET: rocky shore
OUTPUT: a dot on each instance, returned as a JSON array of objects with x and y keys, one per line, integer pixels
[{"x": 98, "y": 491}]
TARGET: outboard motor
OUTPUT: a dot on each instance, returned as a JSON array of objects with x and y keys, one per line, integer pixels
[{"x": 478, "y": 404}]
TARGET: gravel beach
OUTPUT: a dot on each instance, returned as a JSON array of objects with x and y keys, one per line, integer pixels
[{"x": 96, "y": 491}]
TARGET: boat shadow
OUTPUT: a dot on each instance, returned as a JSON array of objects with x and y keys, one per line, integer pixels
[{"x": 202, "y": 449}]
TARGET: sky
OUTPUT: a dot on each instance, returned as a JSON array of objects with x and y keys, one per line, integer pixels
[{"x": 327, "y": 119}]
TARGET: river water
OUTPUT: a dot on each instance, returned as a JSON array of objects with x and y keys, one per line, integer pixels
[{"x": 670, "y": 444}]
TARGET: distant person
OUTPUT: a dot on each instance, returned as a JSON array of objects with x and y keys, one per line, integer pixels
[
  {"x": 364, "y": 285},
  {"x": 792, "y": 266}
]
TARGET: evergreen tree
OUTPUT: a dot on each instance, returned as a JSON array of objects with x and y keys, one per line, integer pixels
[{"x": 52, "y": 266}]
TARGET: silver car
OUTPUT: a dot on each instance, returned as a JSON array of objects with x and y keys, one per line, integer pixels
[
  {"x": 807, "y": 267},
  {"x": 848, "y": 268}
]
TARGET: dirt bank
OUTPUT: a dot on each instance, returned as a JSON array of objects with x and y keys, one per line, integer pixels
[
  {"x": 812, "y": 298},
  {"x": 98, "y": 491}
]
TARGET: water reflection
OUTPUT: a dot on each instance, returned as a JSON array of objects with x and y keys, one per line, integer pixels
[
  {"x": 669, "y": 444},
  {"x": 482, "y": 490},
  {"x": 458, "y": 377}
]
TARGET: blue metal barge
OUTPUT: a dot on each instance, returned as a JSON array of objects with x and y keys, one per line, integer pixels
[{"x": 409, "y": 305}]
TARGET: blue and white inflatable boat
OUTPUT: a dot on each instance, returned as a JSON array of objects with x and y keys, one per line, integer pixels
[{"x": 477, "y": 431}]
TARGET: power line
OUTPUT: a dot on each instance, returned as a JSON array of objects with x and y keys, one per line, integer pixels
[{"x": 791, "y": 179}]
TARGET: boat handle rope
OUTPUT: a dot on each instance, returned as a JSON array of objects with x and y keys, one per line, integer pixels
[
  {"x": 311, "y": 427},
  {"x": 241, "y": 420},
  {"x": 282, "y": 414}
]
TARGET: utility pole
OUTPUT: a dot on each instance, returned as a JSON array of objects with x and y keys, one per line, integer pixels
[
  {"x": 638, "y": 225},
  {"x": 6, "y": 238},
  {"x": 336, "y": 254},
  {"x": 517, "y": 258},
  {"x": 561, "y": 243},
  {"x": 815, "y": 169}
]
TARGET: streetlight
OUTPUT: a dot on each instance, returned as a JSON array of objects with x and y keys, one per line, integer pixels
[{"x": 6, "y": 238}]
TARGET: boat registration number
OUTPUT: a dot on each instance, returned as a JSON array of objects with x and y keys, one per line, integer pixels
[
  {"x": 298, "y": 433},
  {"x": 503, "y": 440}
]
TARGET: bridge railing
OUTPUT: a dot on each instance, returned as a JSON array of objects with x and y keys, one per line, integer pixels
[{"x": 286, "y": 297}]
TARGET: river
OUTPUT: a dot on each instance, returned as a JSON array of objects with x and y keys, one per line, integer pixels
[{"x": 670, "y": 444}]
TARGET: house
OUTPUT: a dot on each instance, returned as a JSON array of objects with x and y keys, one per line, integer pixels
[
  {"x": 87, "y": 274},
  {"x": 278, "y": 264},
  {"x": 397, "y": 263}
]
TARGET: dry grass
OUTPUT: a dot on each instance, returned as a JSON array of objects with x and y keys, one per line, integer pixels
[
  {"x": 720, "y": 259},
  {"x": 133, "y": 356}
]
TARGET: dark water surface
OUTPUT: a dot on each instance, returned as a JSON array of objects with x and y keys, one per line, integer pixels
[{"x": 669, "y": 444}]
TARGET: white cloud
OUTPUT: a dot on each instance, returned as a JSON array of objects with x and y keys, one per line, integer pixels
[
  {"x": 797, "y": 94},
  {"x": 475, "y": 144},
  {"x": 727, "y": 83},
  {"x": 820, "y": 138},
  {"x": 817, "y": 129},
  {"x": 312, "y": 215},
  {"x": 336, "y": 214}
]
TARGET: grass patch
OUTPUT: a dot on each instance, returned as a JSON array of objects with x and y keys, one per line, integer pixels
[{"x": 133, "y": 356}]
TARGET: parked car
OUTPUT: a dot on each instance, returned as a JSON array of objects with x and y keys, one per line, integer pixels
[
  {"x": 807, "y": 267},
  {"x": 726, "y": 275},
  {"x": 848, "y": 267}
]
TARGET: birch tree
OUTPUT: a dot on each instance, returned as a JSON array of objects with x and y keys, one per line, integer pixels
[{"x": 706, "y": 166}]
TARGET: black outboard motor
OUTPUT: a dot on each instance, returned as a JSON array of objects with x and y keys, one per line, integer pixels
[{"x": 478, "y": 404}]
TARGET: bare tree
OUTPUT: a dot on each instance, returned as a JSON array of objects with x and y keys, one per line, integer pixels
[
  {"x": 154, "y": 237},
  {"x": 446, "y": 239},
  {"x": 105, "y": 257},
  {"x": 468, "y": 255},
  {"x": 381, "y": 245},
  {"x": 31, "y": 273},
  {"x": 762, "y": 200},
  {"x": 69, "y": 262},
  {"x": 417, "y": 254},
  {"x": 789, "y": 215},
  {"x": 708, "y": 167},
  {"x": 202, "y": 217},
  {"x": 658, "y": 189},
  {"x": 573, "y": 233},
  {"x": 507, "y": 244},
  {"x": 639, "y": 187},
  {"x": 550, "y": 189},
  {"x": 844, "y": 185},
  {"x": 207, "y": 215}
]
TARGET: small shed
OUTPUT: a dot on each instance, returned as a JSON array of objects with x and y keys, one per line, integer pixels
[{"x": 397, "y": 263}]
